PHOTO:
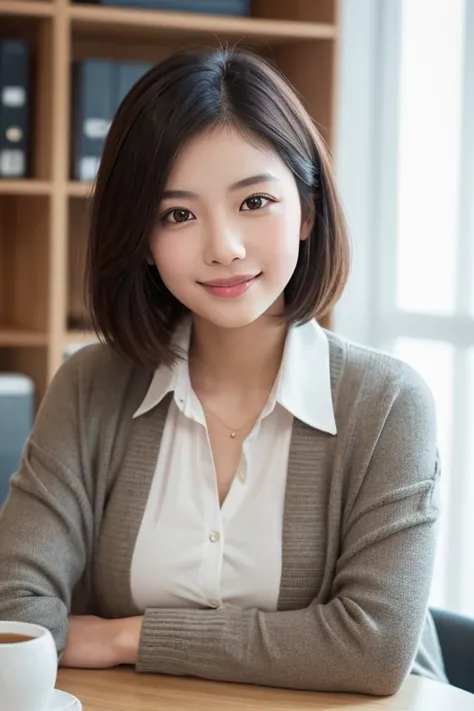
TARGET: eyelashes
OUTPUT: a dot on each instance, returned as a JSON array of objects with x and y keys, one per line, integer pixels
[
  {"x": 182, "y": 214},
  {"x": 176, "y": 211},
  {"x": 259, "y": 197}
]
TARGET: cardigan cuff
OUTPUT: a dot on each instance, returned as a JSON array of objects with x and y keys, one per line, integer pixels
[{"x": 191, "y": 642}]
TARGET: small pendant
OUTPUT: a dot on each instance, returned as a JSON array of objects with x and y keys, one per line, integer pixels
[{"x": 232, "y": 434}]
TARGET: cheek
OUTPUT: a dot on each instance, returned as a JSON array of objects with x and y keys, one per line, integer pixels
[
  {"x": 170, "y": 256},
  {"x": 281, "y": 242}
]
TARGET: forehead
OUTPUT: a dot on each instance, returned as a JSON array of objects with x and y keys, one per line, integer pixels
[{"x": 220, "y": 157}]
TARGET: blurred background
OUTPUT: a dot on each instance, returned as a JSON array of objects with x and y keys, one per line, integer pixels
[{"x": 390, "y": 84}]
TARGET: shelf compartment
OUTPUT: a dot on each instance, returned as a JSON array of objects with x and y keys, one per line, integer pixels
[
  {"x": 311, "y": 69},
  {"x": 77, "y": 319},
  {"x": 306, "y": 10},
  {"x": 37, "y": 31},
  {"x": 24, "y": 264}
]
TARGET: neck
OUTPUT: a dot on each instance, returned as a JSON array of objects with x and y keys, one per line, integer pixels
[{"x": 236, "y": 359}]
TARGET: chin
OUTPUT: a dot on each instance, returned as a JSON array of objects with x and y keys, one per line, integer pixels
[{"x": 231, "y": 318}]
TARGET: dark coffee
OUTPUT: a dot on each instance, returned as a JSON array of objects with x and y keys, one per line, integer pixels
[{"x": 11, "y": 638}]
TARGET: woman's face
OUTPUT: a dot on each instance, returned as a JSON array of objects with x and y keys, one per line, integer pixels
[{"x": 229, "y": 229}]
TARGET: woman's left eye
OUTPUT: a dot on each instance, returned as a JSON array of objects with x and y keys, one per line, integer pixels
[{"x": 256, "y": 202}]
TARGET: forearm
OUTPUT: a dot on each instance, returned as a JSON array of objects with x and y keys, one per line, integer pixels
[
  {"x": 97, "y": 643},
  {"x": 296, "y": 649},
  {"x": 363, "y": 640}
]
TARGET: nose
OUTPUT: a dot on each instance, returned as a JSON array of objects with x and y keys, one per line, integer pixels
[{"x": 223, "y": 244}]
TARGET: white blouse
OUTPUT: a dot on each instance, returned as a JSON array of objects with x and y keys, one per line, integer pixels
[{"x": 190, "y": 551}]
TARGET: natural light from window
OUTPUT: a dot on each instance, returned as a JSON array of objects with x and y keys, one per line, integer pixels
[
  {"x": 429, "y": 159},
  {"x": 430, "y": 303}
]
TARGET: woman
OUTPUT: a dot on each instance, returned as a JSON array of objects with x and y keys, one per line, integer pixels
[{"x": 224, "y": 489}]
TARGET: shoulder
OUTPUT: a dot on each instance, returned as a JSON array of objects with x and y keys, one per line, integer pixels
[
  {"x": 95, "y": 379},
  {"x": 92, "y": 364},
  {"x": 377, "y": 381},
  {"x": 386, "y": 418}
]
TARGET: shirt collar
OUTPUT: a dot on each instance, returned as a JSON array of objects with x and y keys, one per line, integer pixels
[
  {"x": 305, "y": 377},
  {"x": 167, "y": 379},
  {"x": 303, "y": 386}
]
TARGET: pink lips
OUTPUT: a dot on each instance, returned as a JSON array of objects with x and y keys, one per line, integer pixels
[{"x": 231, "y": 287}]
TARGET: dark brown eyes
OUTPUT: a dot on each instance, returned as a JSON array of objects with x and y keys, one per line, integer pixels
[{"x": 178, "y": 215}]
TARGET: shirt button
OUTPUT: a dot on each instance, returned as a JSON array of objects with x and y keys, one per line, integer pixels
[
  {"x": 214, "y": 603},
  {"x": 215, "y": 536},
  {"x": 242, "y": 477}
]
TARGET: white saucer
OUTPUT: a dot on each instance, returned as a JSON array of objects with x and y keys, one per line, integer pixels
[{"x": 61, "y": 701}]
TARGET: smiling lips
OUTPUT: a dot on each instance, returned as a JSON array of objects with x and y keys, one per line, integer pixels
[{"x": 231, "y": 287}]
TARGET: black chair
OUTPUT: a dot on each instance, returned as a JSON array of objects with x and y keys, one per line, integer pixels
[{"x": 456, "y": 637}]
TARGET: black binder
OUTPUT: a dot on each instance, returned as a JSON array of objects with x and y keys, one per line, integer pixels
[
  {"x": 218, "y": 7},
  {"x": 94, "y": 82},
  {"x": 14, "y": 108},
  {"x": 128, "y": 73}
]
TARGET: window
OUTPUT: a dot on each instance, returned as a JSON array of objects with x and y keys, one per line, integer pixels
[{"x": 412, "y": 290}]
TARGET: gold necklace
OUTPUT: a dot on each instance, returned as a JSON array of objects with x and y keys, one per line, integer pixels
[{"x": 233, "y": 432}]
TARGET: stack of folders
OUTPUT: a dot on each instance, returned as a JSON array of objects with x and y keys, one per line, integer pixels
[
  {"x": 100, "y": 86},
  {"x": 218, "y": 7},
  {"x": 14, "y": 108}
]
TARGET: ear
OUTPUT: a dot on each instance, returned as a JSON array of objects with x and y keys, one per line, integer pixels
[
  {"x": 306, "y": 229},
  {"x": 308, "y": 218}
]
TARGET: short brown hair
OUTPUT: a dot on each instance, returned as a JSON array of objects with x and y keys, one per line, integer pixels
[{"x": 189, "y": 92}]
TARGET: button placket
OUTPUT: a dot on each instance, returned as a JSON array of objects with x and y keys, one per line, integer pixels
[
  {"x": 213, "y": 551},
  {"x": 214, "y": 563},
  {"x": 242, "y": 469}
]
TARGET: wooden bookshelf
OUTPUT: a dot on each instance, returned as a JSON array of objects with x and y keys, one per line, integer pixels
[
  {"x": 78, "y": 189},
  {"x": 25, "y": 187},
  {"x": 180, "y": 26},
  {"x": 43, "y": 219},
  {"x": 19, "y": 338},
  {"x": 27, "y": 8}
]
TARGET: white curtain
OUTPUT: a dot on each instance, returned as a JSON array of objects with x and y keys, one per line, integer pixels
[{"x": 405, "y": 166}]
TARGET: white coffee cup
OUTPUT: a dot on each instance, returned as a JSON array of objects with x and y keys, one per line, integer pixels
[{"x": 28, "y": 669}]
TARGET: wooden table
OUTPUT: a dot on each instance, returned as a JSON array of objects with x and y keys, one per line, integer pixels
[{"x": 124, "y": 690}]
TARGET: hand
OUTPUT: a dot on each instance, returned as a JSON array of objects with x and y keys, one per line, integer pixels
[{"x": 95, "y": 643}]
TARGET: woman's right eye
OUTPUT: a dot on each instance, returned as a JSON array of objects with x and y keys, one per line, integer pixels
[{"x": 177, "y": 215}]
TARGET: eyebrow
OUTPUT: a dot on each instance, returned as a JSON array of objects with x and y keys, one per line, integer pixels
[{"x": 244, "y": 183}]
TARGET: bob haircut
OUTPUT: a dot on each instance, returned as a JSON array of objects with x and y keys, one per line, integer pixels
[{"x": 191, "y": 91}]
